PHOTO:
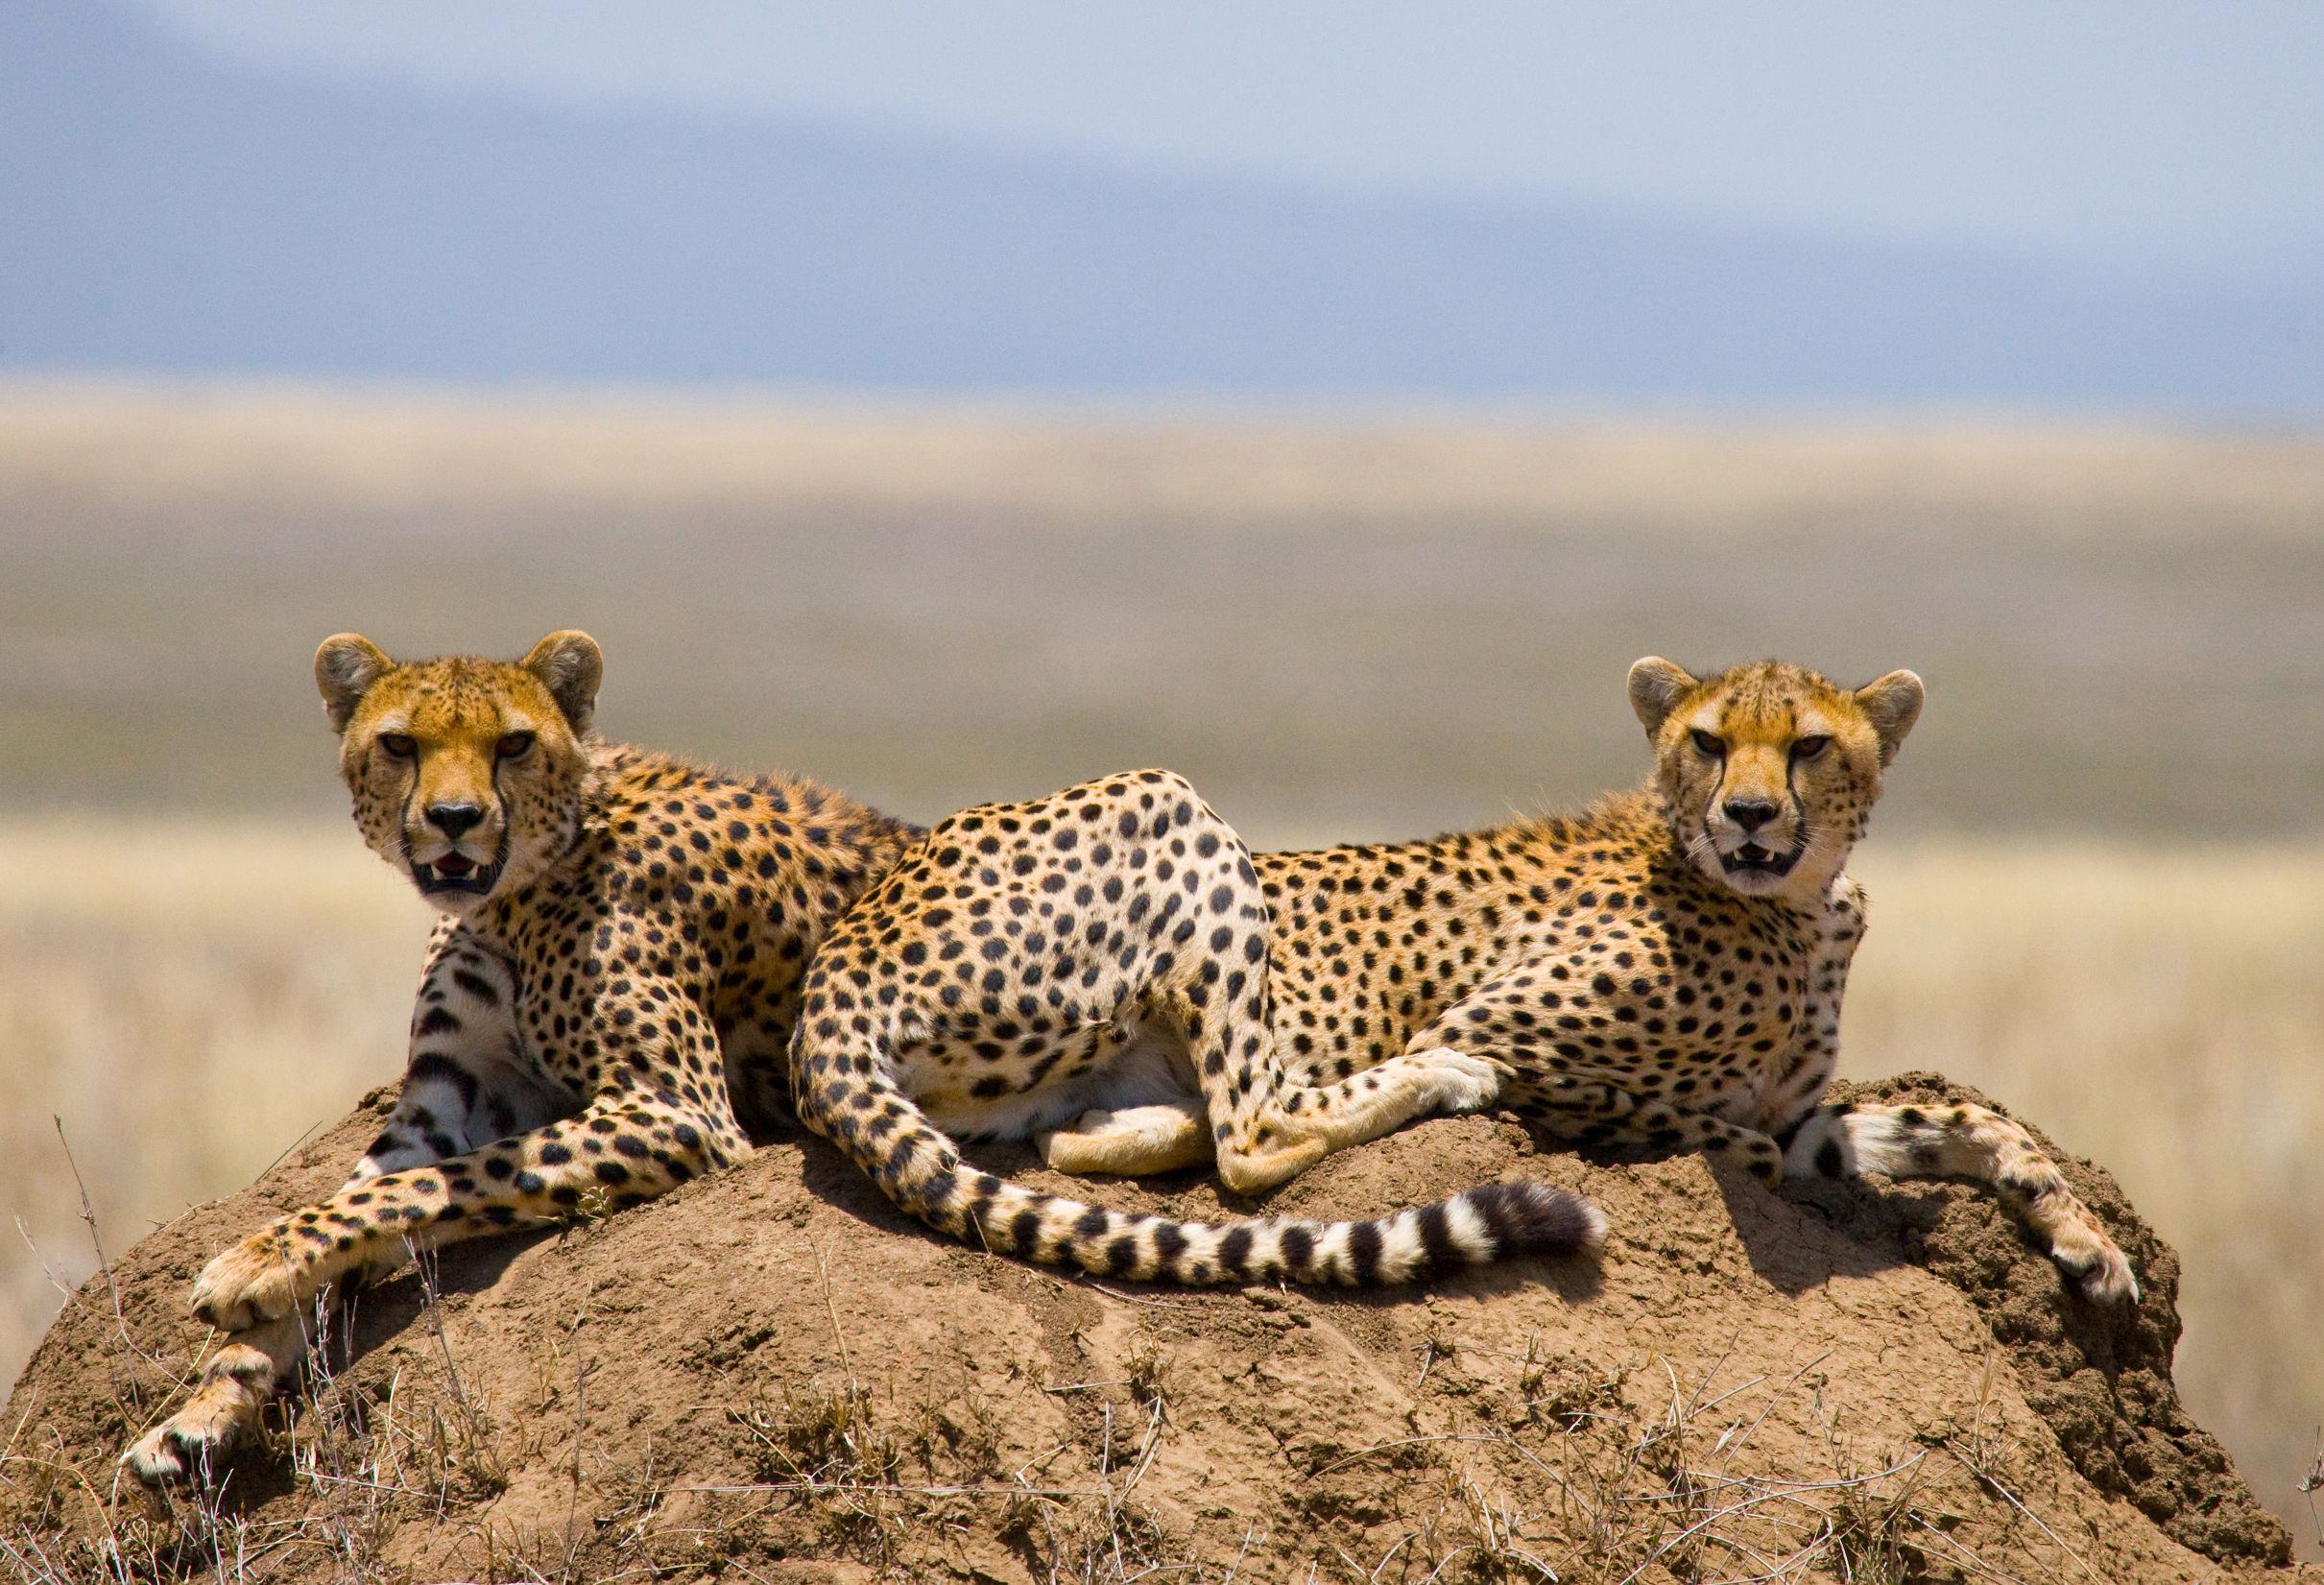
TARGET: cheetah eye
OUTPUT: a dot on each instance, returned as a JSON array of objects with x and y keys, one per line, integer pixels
[
  {"x": 1807, "y": 747},
  {"x": 514, "y": 745},
  {"x": 1708, "y": 746},
  {"x": 397, "y": 746}
]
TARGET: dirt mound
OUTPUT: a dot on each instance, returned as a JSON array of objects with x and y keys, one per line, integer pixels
[{"x": 773, "y": 1376}]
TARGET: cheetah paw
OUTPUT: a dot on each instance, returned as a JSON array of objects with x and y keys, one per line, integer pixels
[
  {"x": 1090, "y": 1144},
  {"x": 257, "y": 1280},
  {"x": 182, "y": 1449},
  {"x": 1458, "y": 1082},
  {"x": 193, "y": 1443},
  {"x": 1755, "y": 1153},
  {"x": 1248, "y": 1172},
  {"x": 2098, "y": 1267},
  {"x": 1126, "y": 1143}
]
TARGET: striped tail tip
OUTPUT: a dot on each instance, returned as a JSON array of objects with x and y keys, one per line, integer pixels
[{"x": 1536, "y": 1218}]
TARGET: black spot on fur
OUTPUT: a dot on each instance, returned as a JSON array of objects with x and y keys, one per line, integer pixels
[
  {"x": 1299, "y": 1248},
  {"x": 1436, "y": 1237},
  {"x": 1234, "y": 1252},
  {"x": 477, "y": 986},
  {"x": 1025, "y": 1232}
]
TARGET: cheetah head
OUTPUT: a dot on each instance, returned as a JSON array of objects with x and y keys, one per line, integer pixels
[
  {"x": 1768, "y": 772},
  {"x": 467, "y": 775}
]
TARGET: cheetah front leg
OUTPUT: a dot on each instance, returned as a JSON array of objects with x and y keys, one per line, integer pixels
[
  {"x": 239, "y": 1380},
  {"x": 466, "y": 1083},
  {"x": 661, "y": 1117},
  {"x": 1845, "y": 1140},
  {"x": 1558, "y": 1040},
  {"x": 620, "y": 1150}
]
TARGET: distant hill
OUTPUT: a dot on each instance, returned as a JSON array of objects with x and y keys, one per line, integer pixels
[{"x": 168, "y": 212}]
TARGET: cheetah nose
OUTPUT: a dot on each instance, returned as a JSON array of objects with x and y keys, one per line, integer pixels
[
  {"x": 454, "y": 819},
  {"x": 1750, "y": 813}
]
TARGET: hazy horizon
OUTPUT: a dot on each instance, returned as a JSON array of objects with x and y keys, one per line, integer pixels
[{"x": 2058, "y": 212}]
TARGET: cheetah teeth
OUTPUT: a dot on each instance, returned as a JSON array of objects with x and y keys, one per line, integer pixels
[
  {"x": 1751, "y": 855},
  {"x": 455, "y": 873}
]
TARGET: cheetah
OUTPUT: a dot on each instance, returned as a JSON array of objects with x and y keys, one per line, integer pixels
[
  {"x": 609, "y": 1004},
  {"x": 1665, "y": 970}
]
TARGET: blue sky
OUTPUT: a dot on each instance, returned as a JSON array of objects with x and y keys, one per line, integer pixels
[
  {"x": 1793, "y": 205},
  {"x": 2159, "y": 137}
]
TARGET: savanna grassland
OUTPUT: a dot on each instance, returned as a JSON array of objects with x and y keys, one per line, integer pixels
[{"x": 2098, "y": 879}]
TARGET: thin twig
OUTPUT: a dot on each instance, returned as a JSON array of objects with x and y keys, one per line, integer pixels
[
  {"x": 1353, "y": 1455},
  {"x": 822, "y": 1278},
  {"x": 312, "y": 1129},
  {"x": 88, "y": 1217},
  {"x": 1774, "y": 1398},
  {"x": 2313, "y": 1481},
  {"x": 1241, "y": 1552},
  {"x": 2010, "y": 1496},
  {"x": 1970, "y": 1558}
]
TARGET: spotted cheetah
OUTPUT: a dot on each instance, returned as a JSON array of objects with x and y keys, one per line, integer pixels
[
  {"x": 1665, "y": 970},
  {"x": 611, "y": 995}
]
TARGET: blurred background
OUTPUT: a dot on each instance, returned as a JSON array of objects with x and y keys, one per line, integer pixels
[{"x": 1326, "y": 400}]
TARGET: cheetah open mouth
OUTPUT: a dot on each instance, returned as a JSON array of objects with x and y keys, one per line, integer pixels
[
  {"x": 455, "y": 873},
  {"x": 1753, "y": 859}
]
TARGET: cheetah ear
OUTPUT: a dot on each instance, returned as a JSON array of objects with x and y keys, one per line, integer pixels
[
  {"x": 346, "y": 666},
  {"x": 1656, "y": 687},
  {"x": 570, "y": 664},
  {"x": 1892, "y": 704}
]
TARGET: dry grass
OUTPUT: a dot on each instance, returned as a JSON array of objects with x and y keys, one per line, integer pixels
[
  {"x": 195, "y": 999},
  {"x": 1377, "y": 626},
  {"x": 188, "y": 1002},
  {"x": 163, "y": 446}
]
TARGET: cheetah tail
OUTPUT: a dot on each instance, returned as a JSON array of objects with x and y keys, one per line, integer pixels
[{"x": 921, "y": 1172}]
